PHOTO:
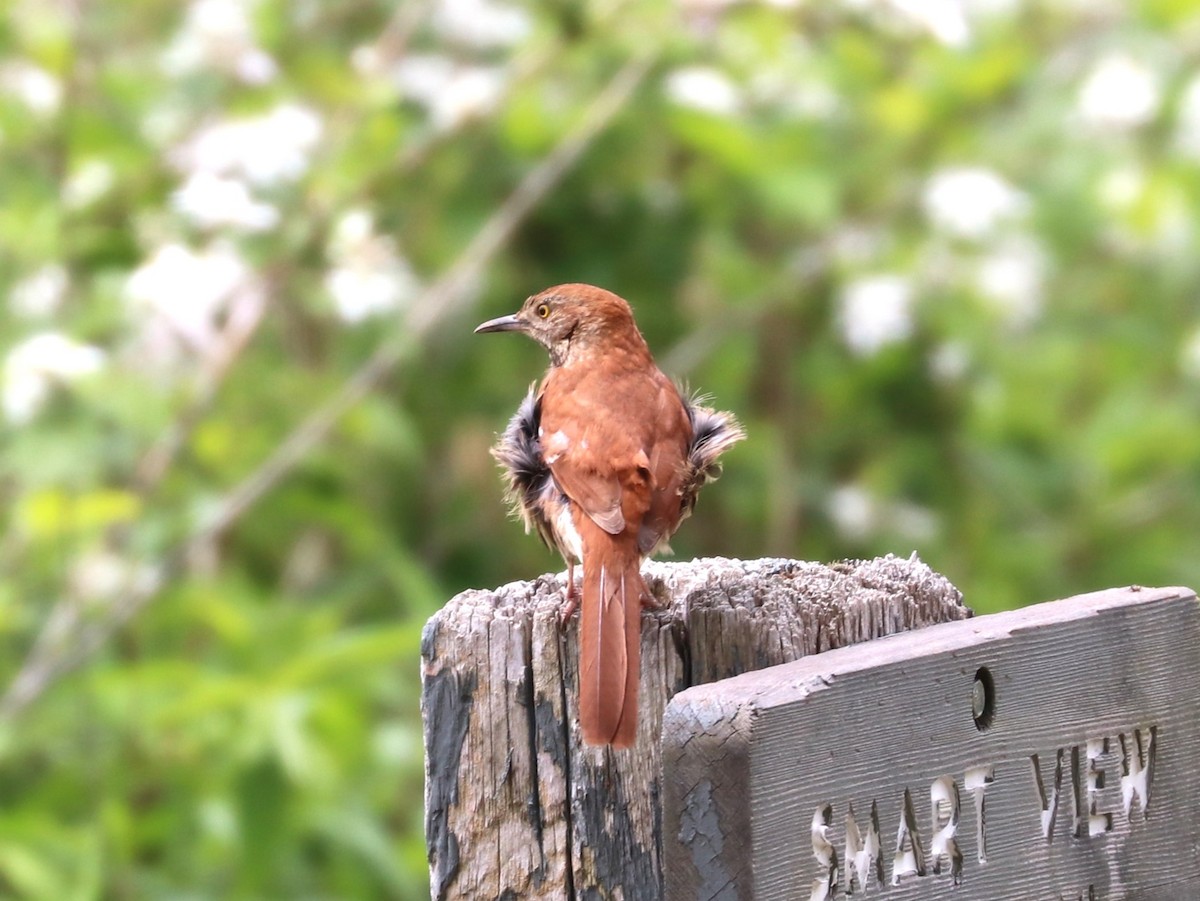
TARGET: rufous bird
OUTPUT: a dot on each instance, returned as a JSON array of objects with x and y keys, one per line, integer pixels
[{"x": 604, "y": 460}]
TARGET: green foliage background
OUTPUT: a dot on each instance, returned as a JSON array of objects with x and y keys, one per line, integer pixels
[{"x": 252, "y": 731}]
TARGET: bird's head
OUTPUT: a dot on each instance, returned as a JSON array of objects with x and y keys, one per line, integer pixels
[{"x": 571, "y": 321}]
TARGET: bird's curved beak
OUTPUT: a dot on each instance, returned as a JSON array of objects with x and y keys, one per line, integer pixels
[{"x": 503, "y": 324}]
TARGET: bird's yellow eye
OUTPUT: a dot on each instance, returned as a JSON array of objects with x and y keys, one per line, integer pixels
[{"x": 543, "y": 310}]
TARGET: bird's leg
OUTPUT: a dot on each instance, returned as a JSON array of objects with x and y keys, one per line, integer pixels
[
  {"x": 571, "y": 602},
  {"x": 650, "y": 602}
]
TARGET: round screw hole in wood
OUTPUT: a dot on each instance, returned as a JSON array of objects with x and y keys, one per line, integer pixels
[{"x": 983, "y": 699}]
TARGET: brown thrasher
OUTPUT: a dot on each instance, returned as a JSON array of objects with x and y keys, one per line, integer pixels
[{"x": 604, "y": 460}]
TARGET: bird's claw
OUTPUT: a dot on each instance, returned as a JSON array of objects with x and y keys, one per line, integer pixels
[
  {"x": 570, "y": 604},
  {"x": 650, "y": 602}
]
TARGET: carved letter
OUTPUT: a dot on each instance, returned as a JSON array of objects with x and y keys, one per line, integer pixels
[
  {"x": 909, "y": 858},
  {"x": 1079, "y": 823},
  {"x": 944, "y": 805},
  {"x": 1049, "y": 798},
  {"x": 976, "y": 780},
  {"x": 1098, "y": 821},
  {"x": 1137, "y": 768},
  {"x": 824, "y": 886},
  {"x": 864, "y": 854}
]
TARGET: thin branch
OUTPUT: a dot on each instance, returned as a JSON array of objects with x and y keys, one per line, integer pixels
[
  {"x": 394, "y": 39},
  {"x": 70, "y": 644},
  {"x": 152, "y": 468}
]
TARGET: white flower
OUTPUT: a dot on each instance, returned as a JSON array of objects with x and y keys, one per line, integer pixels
[
  {"x": 266, "y": 150},
  {"x": 217, "y": 34},
  {"x": 480, "y": 23},
  {"x": 857, "y": 514},
  {"x": 367, "y": 60},
  {"x": 876, "y": 311},
  {"x": 971, "y": 202},
  {"x": 1011, "y": 278},
  {"x": 991, "y": 8},
  {"x": 166, "y": 123},
  {"x": 944, "y": 19},
  {"x": 913, "y": 521},
  {"x": 854, "y": 512},
  {"x": 100, "y": 576},
  {"x": 35, "y": 365},
  {"x": 359, "y": 293},
  {"x": 801, "y": 96},
  {"x": 183, "y": 297},
  {"x": 211, "y": 201},
  {"x": 353, "y": 229},
  {"x": 704, "y": 88},
  {"x": 1120, "y": 93},
  {"x": 369, "y": 277},
  {"x": 256, "y": 67},
  {"x": 87, "y": 183},
  {"x": 422, "y": 76},
  {"x": 473, "y": 92},
  {"x": 39, "y": 294},
  {"x": 452, "y": 94},
  {"x": 40, "y": 91}
]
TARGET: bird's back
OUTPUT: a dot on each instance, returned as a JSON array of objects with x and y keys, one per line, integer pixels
[{"x": 617, "y": 433}]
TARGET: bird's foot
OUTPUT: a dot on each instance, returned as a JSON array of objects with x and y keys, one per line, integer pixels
[
  {"x": 570, "y": 603},
  {"x": 652, "y": 602}
]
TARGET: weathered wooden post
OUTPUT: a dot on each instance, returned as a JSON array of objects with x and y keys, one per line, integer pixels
[
  {"x": 1045, "y": 753},
  {"x": 517, "y": 808}
]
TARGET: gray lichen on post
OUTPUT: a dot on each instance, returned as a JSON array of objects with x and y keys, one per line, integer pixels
[{"x": 516, "y": 807}]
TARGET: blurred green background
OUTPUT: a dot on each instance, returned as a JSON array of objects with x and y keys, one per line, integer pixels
[{"x": 940, "y": 257}]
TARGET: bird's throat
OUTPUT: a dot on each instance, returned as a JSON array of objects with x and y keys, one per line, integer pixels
[{"x": 560, "y": 350}]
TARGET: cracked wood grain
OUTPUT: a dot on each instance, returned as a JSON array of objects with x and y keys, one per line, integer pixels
[
  {"x": 1043, "y": 753},
  {"x": 517, "y": 807}
]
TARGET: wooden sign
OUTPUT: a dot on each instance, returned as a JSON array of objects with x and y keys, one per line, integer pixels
[{"x": 1047, "y": 753}]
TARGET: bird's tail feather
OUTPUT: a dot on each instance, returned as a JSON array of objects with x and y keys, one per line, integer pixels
[{"x": 610, "y": 640}]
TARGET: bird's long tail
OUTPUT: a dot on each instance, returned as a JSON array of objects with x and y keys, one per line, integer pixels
[{"x": 610, "y": 637}]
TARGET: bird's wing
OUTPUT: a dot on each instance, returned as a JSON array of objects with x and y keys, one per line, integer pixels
[
  {"x": 667, "y": 444},
  {"x": 601, "y": 445},
  {"x": 608, "y": 479},
  {"x": 599, "y": 496}
]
